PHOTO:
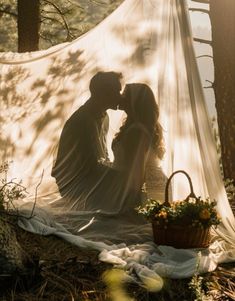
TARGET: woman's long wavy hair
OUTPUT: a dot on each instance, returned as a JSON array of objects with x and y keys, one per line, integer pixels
[{"x": 141, "y": 107}]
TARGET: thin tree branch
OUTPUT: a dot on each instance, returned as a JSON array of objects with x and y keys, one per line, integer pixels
[
  {"x": 200, "y": 10},
  {"x": 35, "y": 197},
  {"x": 211, "y": 86},
  {"x": 76, "y": 4},
  {"x": 205, "y": 55},
  {"x": 45, "y": 38},
  {"x": 210, "y": 82},
  {"x": 62, "y": 16},
  {"x": 99, "y": 2},
  {"x": 202, "y": 41},
  {"x": 45, "y": 19},
  {"x": 10, "y": 13},
  {"x": 11, "y": 182}
]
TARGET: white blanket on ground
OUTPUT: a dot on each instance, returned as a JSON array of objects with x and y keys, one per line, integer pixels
[{"x": 148, "y": 261}]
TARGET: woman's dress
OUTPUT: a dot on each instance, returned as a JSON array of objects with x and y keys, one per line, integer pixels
[
  {"x": 152, "y": 179},
  {"x": 155, "y": 179}
]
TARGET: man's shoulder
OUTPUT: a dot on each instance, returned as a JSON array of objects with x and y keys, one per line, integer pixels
[{"x": 80, "y": 115}]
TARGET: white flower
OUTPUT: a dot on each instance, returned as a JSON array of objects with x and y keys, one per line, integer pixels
[{"x": 192, "y": 200}]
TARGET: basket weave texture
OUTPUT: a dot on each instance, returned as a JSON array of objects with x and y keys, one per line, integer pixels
[{"x": 181, "y": 236}]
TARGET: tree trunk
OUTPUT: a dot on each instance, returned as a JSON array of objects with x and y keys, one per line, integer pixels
[
  {"x": 222, "y": 15},
  {"x": 28, "y": 25}
]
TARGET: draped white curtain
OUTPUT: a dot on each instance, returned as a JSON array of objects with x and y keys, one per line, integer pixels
[{"x": 149, "y": 41}]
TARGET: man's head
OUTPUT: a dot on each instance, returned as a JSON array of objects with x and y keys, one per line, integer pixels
[{"x": 105, "y": 88}]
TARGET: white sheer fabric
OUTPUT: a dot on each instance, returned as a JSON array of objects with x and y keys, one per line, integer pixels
[{"x": 149, "y": 42}]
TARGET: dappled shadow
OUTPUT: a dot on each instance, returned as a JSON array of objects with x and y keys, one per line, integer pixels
[
  {"x": 54, "y": 93},
  {"x": 36, "y": 99},
  {"x": 140, "y": 45},
  {"x": 14, "y": 105}
]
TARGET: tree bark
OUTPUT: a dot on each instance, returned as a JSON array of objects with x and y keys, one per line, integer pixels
[
  {"x": 28, "y": 25},
  {"x": 222, "y": 15}
]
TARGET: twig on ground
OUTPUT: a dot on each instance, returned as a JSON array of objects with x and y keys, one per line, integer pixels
[{"x": 35, "y": 196}]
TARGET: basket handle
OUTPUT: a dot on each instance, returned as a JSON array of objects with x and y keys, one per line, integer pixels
[{"x": 192, "y": 194}]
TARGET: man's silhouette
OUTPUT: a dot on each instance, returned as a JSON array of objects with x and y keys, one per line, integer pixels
[{"x": 82, "y": 143}]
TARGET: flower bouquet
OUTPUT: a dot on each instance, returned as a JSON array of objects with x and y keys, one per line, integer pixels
[{"x": 181, "y": 224}]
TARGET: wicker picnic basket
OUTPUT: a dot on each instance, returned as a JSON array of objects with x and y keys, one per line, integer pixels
[{"x": 181, "y": 236}]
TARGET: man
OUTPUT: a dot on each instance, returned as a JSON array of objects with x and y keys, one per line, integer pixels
[{"x": 82, "y": 143}]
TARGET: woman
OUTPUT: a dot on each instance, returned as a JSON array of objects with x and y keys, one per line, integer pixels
[{"x": 138, "y": 146}]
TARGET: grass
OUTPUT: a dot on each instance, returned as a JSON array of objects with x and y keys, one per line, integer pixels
[{"x": 59, "y": 271}]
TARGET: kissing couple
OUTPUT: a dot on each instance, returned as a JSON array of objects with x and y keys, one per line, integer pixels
[{"x": 86, "y": 178}]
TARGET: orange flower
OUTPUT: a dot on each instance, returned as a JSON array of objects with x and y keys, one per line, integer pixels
[{"x": 205, "y": 214}]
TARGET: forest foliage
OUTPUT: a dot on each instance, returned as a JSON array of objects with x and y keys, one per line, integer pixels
[{"x": 60, "y": 20}]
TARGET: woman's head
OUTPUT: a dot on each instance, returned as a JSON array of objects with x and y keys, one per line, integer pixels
[{"x": 140, "y": 105}]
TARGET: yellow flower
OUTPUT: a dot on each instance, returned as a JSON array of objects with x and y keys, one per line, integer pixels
[
  {"x": 162, "y": 214},
  {"x": 205, "y": 214}
]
